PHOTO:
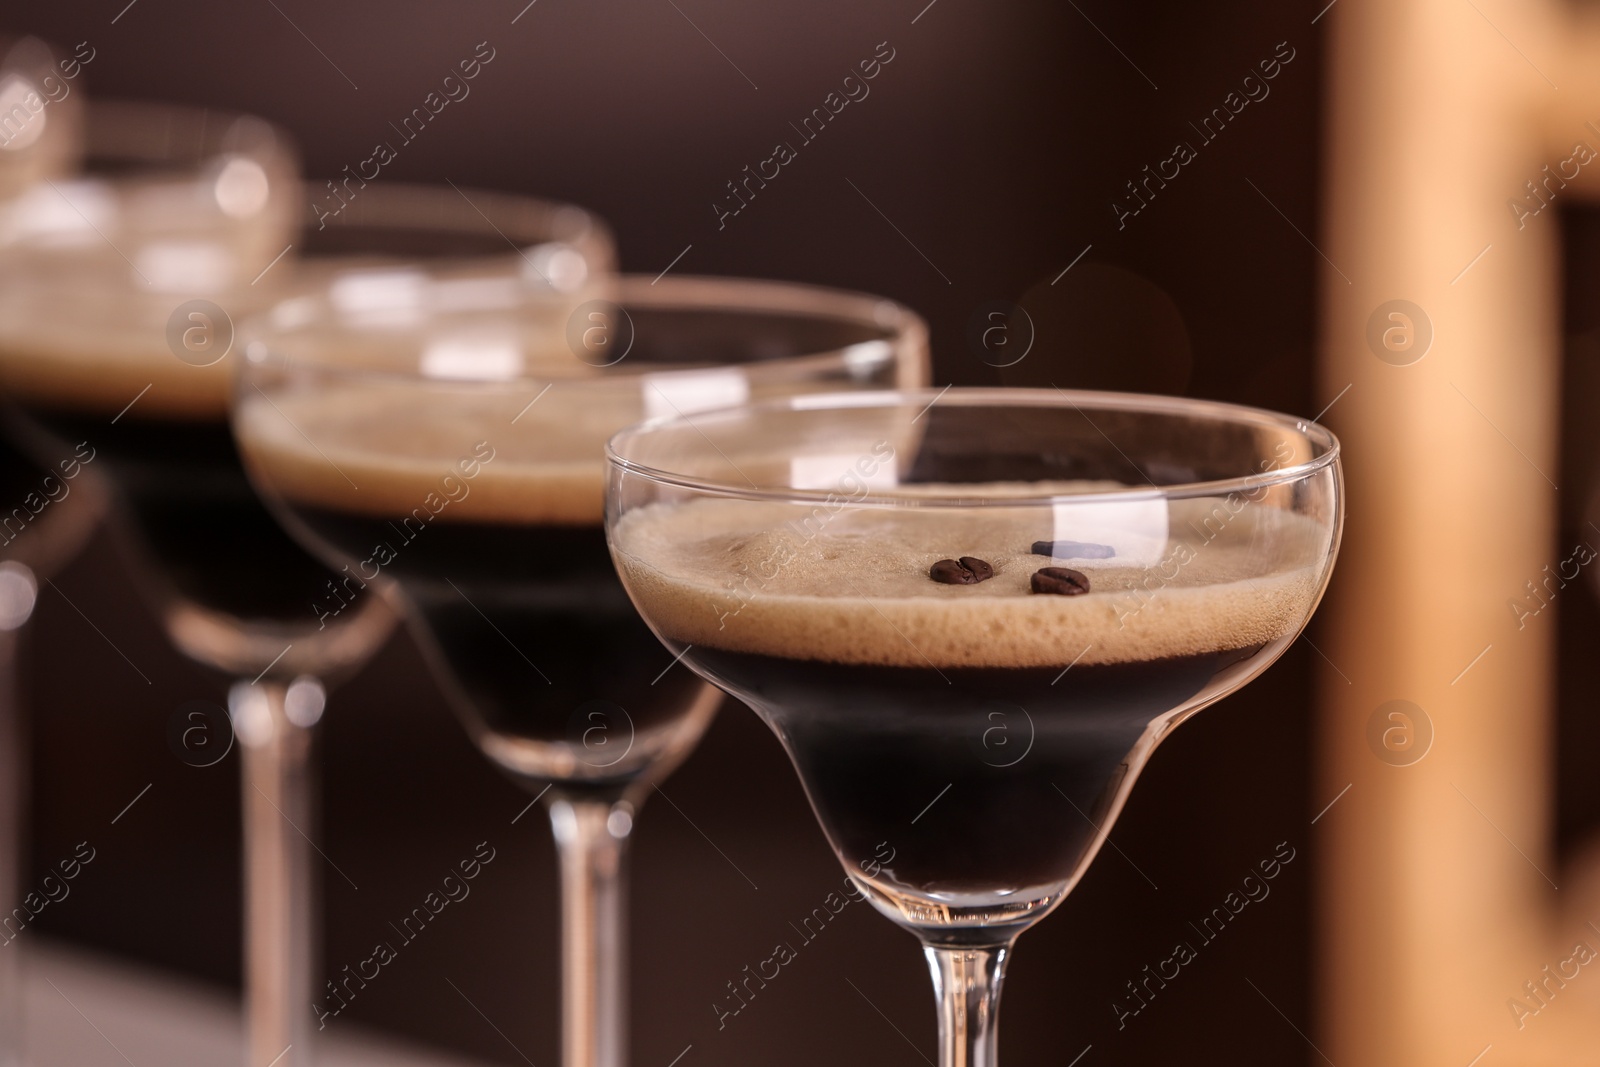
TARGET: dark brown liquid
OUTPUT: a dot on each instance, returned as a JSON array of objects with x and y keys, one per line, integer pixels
[
  {"x": 48, "y": 508},
  {"x": 973, "y": 780},
  {"x": 192, "y": 512},
  {"x": 534, "y": 634},
  {"x": 531, "y": 630}
]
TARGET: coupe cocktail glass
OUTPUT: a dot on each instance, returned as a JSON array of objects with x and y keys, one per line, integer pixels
[
  {"x": 453, "y": 447},
  {"x": 117, "y": 303},
  {"x": 971, "y": 617},
  {"x": 41, "y": 139}
]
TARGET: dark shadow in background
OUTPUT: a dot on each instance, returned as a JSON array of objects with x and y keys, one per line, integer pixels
[
  {"x": 1578, "y": 686},
  {"x": 984, "y": 162}
]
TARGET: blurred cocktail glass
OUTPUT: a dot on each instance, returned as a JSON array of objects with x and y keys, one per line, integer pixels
[
  {"x": 451, "y": 445},
  {"x": 118, "y": 295},
  {"x": 41, "y": 135}
]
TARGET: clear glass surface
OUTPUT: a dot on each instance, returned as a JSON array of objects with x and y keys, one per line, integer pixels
[
  {"x": 971, "y": 617},
  {"x": 448, "y": 443}
]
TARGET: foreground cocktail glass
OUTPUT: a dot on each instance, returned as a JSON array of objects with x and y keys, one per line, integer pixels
[
  {"x": 455, "y": 449},
  {"x": 971, "y": 617}
]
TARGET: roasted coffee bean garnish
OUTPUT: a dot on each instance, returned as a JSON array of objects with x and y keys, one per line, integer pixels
[
  {"x": 980, "y": 568},
  {"x": 968, "y": 570},
  {"x": 1073, "y": 550},
  {"x": 1063, "y": 581}
]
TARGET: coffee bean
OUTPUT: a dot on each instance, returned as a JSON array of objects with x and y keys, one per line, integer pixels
[
  {"x": 1063, "y": 581},
  {"x": 969, "y": 570},
  {"x": 1073, "y": 550},
  {"x": 980, "y": 568}
]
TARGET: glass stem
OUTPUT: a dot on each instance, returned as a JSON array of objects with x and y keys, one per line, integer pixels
[
  {"x": 280, "y": 922},
  {"x": 592, "y": 836},
  {"x": 967, "y": 982}
]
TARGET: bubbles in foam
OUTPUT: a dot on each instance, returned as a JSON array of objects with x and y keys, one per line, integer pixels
[
  {"x": 757, "y": 577},
  {"x": 397, "y": 441}
]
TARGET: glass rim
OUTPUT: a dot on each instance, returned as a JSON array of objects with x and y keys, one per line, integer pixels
[
  {"x": 1320, "y": 437},
  {"x": 903, "y": 330},
  {"x": 520, "y": 220},
  {"x": 119, "y": 129},
  {"x": 401, "y": 206},
  {"x": 169, "y": 148}
]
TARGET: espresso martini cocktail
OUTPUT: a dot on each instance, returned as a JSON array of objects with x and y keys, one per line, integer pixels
[
  {"x": 41, "y": 133},
  {"x": 494, "y": 530},
  {"x": 109, "y": 351},
  {"x": 114, "y": 331},
  {"x": 450, "y": 450},
  {"x": 971, "y": 616},
  {"x": 118, "y": 300},
  {"x": 464, "y": 461},
  {"x": 890, "y": 686},
  {"x": 112, "y": 351}
]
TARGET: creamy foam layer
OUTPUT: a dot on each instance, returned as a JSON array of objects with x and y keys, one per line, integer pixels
[
  {"x": 85, "y": 302},
  {"x": 736, "y": 575},
  {"x": 75, "y": 341},
  {"x": 395, "y": 442},
  {"x": 395, "y": 439},
  {"x": 98, "y": 371}
]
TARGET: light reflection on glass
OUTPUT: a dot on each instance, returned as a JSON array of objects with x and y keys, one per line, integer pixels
[
  {"x": 686, "y": 392},
  {"x": 22, "y": 114},
  {"x": 1135, "y": 526},
  {"x": 241, "y": 188},
  {"x": 482, "y": 358}
]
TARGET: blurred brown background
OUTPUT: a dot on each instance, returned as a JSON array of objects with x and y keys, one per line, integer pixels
[{"x": 985, "y": 160}]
